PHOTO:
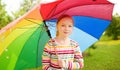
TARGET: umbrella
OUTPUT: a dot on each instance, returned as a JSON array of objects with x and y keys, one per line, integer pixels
[
  {"x": 22, "y": 41},
  {"x": 91, "y": 18}
]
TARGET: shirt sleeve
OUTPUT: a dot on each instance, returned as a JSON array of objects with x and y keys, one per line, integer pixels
[
  {"x": 78, "y": 60},
  {"x": 46, "y": 58}
]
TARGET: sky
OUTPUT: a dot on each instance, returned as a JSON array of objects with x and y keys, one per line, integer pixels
[{"x": 13, "y": 5}]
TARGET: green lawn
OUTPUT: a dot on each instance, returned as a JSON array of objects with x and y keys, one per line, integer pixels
[{"x": 105, "y": 57}]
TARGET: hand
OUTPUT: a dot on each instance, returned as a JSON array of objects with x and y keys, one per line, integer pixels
[
  {"x": 61, "y": 62},
  {"x": 82, "y": 65}
]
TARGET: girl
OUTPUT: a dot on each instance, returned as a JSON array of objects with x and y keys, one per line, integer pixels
[{"x": 62, "y": 53}]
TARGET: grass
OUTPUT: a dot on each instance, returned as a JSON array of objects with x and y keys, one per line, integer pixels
[{"x": 105, "y": 57}]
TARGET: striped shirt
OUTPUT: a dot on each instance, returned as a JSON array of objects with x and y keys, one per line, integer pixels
[{"x": 70, "y": 53}]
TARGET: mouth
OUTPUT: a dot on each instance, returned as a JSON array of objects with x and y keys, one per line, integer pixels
[{"x": 66, "y": 32}]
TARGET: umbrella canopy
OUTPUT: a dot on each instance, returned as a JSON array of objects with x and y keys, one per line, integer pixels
[
  {"x": 91, "y": 18},
  {"x": 23, "y": 40}
]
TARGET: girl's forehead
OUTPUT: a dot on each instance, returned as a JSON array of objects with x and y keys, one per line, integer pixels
[{"x": 66, "y": 20}]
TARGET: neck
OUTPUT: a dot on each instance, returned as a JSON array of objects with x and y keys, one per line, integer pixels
[{"x": 63, "y": 40}]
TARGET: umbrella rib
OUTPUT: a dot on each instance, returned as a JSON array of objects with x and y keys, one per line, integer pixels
[
  {"x": 47, "y": 30},
  {"x": 40, "y": 26},
  {"x": 28, "y": 27},
  {"x": 32, "y": 21},
  {"x": 38, "y": 44}
]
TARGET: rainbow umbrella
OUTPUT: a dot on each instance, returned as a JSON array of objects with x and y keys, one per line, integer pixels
[
  {"x": 91, "y": 18},
  {"x": 22, "y": 41}
]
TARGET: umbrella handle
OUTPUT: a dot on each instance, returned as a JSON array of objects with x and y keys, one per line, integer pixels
[{"x": 56, "y": 52}]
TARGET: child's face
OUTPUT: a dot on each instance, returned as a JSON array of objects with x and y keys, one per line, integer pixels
[{"x": 65, "y": 27}]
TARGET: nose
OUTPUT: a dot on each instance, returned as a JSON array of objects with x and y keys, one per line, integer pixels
[{"x": 67, "y": 28}]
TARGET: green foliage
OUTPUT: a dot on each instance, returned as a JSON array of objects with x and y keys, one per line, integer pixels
[
  {"x": 105, "y": 37},
  {"x": 114, "y": 28},
  {"x": 104, "y": 57},
  {"x": 88, "y": 52},
  {"x": 4, "y": 17},
  {"x": 25, "y": 6}
]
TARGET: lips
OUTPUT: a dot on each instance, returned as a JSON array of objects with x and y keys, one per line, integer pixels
[{"x": 66, "y": 32}]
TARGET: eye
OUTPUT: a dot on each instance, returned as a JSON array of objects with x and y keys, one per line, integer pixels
[
  {"x": 62, "y": 25},
  {"x": 70, "y": 26}
]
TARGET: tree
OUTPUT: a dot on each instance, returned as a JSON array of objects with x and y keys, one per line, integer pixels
[
  {"x": 114, "y": 28},
  {"x": 4, "y": 17},
  {"x": 25, "y": 6}
]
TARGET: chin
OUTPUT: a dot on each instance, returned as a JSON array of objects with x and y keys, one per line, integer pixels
[{"x": 66, "y": 35}]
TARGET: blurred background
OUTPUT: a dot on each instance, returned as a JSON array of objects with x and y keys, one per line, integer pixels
[{"x": 103, "y": 55}]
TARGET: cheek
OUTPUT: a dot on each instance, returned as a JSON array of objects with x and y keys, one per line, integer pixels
[
  {"x": 71, "y": 29},
  {"x": 59, "y": 28}
]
